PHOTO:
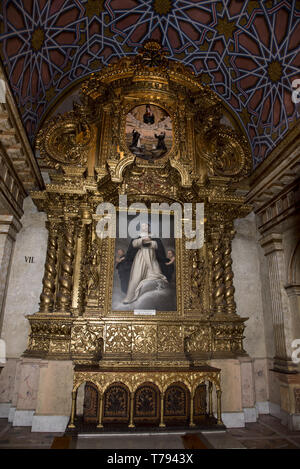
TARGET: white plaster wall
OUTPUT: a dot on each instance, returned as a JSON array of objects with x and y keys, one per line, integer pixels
[
  {"x": 6, "y": 250},
  {"x": 266, "y": 303},
  {"x": 25, "y": 282},
  {"x": 247, "y": 282},
  {"x": 55, "y": 388},
  {"x": 252, "y": 295},
  {"x": 7, "y": 381},
  {"x": 231, "y": 384}
]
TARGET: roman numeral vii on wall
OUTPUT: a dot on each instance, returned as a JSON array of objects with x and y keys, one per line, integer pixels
[{"x": 29, "y": 259}]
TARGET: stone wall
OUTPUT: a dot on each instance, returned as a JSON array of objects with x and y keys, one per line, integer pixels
[
  {"x": 252, "y": 297},
  {"x": 25, "y": 280}
]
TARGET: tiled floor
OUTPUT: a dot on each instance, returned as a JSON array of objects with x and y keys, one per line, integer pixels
[
  {"x": 23, "y": 438},
  {"x": 267, "y": 433},
  {"x": 131, "y": 442}
]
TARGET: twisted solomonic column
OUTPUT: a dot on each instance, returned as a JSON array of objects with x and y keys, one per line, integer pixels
[
  {"x": 228, "y": 275},
  {"x": 218, "y": 272},
  {"x": 47, "y": 295},
  {"x": 65, "y": 282}
]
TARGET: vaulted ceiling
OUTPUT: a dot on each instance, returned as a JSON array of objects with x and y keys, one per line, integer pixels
[{"x": 246, "y": 51}]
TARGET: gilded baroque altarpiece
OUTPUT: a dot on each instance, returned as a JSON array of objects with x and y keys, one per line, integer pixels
[{"x": 90, "y": 161}]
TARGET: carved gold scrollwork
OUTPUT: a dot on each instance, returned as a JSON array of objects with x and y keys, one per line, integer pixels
[
  {"x": 229, "y": 154},
  {"x": 152, "y": 55},
  {"x": 49, "y": 337},
  {"x": 118, "y": 339},
  {"x": 170, "y": 339},
  {"x": 91, "y": 271},
  {"x": 115, "y": 129},
  {"x": 221, "y": 150},
  {"x": 197, "y": 278},
  {"x": 86, "y": 339},
  {"x": 144, "y": 339},
  {"x": 228, "y": 337},
  {"x": 198, "y": 339},
  {"x": 65, "y": 140},
  {"x": 182, "y": 130}
]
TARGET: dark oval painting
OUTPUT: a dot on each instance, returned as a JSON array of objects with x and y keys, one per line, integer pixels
[{"x": 149, "y": 132}]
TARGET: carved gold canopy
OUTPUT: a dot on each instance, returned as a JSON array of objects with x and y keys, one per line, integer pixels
[
  {"x": 93, "y": 134},
  {"x": 90, "y": 161}
]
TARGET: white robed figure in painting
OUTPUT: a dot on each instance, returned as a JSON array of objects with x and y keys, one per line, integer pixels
[{"x": 148, "y": 260}]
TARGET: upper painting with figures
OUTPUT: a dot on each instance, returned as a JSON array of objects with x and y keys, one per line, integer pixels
[{"x": 149, "y": 132}]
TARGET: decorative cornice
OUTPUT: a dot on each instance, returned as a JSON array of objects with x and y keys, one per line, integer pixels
[
  {"x": 14, "y": 139},
  {"x": 279, "y": 172},
  {"x": 286, "y": 146}
]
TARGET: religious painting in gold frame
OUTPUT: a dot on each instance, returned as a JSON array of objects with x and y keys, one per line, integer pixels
[
  {"x": 173, "y": 274},
  {"x": 149, "y": 134}
]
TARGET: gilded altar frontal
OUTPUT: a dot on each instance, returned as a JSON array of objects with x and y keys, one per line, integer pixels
[{"x": 145, "y": 215}]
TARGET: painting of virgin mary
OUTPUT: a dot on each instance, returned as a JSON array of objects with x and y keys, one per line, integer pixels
[{"x": 149, "y": 132}]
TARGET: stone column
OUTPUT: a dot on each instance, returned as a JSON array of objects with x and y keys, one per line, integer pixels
[
  {"x": 47, "y": 295},
  {"x": 273, "y": 249},
  {"x": 293, "y": 293},
  {"x": 65, "y": 282},
  {"x": 9, "y": 227}
]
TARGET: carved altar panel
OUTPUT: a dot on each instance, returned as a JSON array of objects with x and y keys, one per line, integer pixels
[
  {"x": 147, "y": 404},
  {"x": 200, "y": 401},
  {"x": 176, "y": 404},
  {"x": 116, "y": 403},
  {"x": 90, "y": 403}
]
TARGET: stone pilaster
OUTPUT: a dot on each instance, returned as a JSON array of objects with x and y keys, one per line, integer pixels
[
  {"x": 293, "y": 293},
  {"x": 9, "y": 227},
  {"x": 273, "y": 249}
]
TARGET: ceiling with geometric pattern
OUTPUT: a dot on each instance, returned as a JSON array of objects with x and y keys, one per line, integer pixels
[{"x": 246, "y": 51}]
